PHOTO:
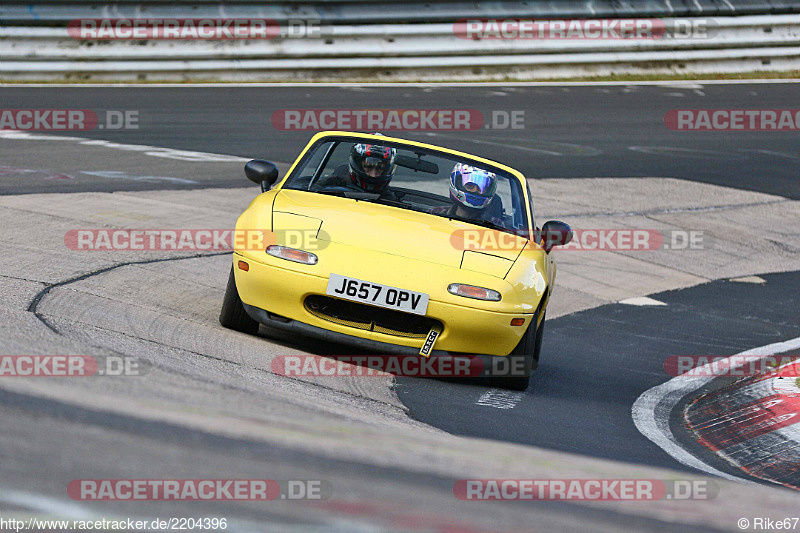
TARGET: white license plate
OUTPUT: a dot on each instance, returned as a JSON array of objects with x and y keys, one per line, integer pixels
[{"x": 367, "y": 292}]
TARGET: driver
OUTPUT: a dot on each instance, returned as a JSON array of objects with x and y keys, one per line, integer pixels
[
  {"x": 473, "y": 192},
  {"x": 370, "y": 169},
  {"x": 372, "y": 166}
]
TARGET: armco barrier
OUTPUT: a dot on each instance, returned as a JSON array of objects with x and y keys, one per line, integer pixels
[
  {"x": 29, "y": 12},
  {"x": 42, "y": 49}
]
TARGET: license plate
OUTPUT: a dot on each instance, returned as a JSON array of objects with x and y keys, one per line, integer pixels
[{"x": 367, "y": 292}]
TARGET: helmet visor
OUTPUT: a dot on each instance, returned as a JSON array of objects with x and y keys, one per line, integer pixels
[
  {"x": 374, "y": 167},
  {"x": 478, "y": 182}
]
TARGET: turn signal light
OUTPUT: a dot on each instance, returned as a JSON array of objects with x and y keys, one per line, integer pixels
[
  {"x": 517, "y": 321},
  {"x": 291, "y": 254},
  {"x": 469, "y": 291},
  {"x": 244, "y": 266}
]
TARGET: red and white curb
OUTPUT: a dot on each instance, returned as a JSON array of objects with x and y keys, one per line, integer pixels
[
  {"x": 651, "y": 411},
  {"x": 752, "y": 424}
]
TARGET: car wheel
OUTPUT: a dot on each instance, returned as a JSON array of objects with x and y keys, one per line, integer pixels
[
  {"x": 233, "y": 315},
  {"x": 538, "y": 347},
  {"x": 527, "y": 351}
]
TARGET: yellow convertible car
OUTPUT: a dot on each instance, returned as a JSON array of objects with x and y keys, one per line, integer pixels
[{"x": 396, "y": 247}]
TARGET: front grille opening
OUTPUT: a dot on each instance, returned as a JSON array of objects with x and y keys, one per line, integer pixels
[{"x": 369, "y": 318}]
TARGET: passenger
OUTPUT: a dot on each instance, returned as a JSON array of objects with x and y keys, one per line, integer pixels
[{"x": 473, "y": 192}]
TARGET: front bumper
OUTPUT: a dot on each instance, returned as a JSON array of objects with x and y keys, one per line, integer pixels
[
  {"x": 269, "y": 288},
  {"x": 490, "y": 365}
]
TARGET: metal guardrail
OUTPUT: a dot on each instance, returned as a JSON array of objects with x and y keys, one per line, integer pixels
[
  {"x": 41, "y": 12},
  {"x": 397, "y": 52}
]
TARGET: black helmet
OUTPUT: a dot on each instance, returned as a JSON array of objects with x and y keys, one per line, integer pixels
[{"x": 372, "y": 166}]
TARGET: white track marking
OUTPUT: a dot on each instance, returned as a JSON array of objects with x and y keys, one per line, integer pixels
[
  {"x": 640, "y": 301},
  {"x": 117, "y": 174},
  {"x": 749, "y": 279},
  {"x": 651, "y": 410},
  {"x": 153, "y": 151},
  {"x": 500, "y": 399},
  {"x": 776, "y": 348},
  {"x": 772, "y": 153},
  {"x": 688, "y": 153}
]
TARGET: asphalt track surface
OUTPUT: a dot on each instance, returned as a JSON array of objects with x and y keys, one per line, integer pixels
[
  {"x": 105, "y": 445},
  {"x": 568, "y": 131},
  {"x": 595, "y": 363}
]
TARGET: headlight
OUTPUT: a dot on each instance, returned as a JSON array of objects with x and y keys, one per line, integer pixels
[
  {"x": 290, "y": 254},
  {"x": 469, "y": 291}
]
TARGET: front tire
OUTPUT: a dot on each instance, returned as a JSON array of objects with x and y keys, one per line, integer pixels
[
  {"x": 537, "y": 349},
  {"x": 526, "y": 351},
  {"x": 233, "y": 315}
]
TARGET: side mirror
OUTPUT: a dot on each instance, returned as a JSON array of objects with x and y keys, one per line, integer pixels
[
  {"x": 261, "y": 172},
  {"x": 555, "y": 233}
]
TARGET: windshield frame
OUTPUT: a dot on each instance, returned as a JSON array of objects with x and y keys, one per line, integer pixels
[{"x": 324, "y": 137}]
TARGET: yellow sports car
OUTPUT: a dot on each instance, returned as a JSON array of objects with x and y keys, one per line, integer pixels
[{"x": 397, "y": 247}]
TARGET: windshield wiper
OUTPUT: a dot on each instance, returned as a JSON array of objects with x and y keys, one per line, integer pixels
[
  {"x": 398, "y": 203},
  {"x": 481, "y": 222},
  {"x": 389, "y": 201},
  {"x": 355, "y": 195},
  {"x": 363, "y": 195}
]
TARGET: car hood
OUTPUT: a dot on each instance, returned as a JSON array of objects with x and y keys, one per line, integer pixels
[{"x": 391, "y": 230}]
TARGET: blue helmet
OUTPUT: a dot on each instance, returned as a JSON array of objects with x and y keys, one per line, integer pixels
[{"x": 471, "y": 186}]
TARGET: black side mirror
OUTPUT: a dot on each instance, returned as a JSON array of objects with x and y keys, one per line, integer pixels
[
  {"x": 555, "y": 233},
  {"x": 261, "y": 172}
]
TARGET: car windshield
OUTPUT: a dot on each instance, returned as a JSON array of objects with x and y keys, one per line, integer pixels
[{"x": 415, "y": 179}]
